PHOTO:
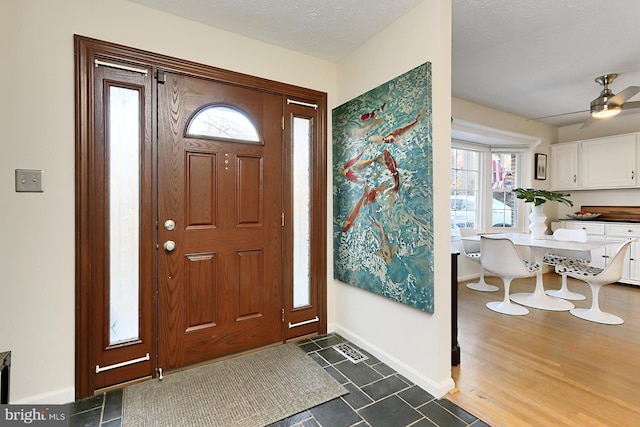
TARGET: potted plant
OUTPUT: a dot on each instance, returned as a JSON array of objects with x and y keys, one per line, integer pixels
[
  {"x": 537, "y": 219},
  {"x": 540, "y": 197}
]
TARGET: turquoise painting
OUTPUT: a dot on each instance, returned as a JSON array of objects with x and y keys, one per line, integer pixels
[{"x": 382, "y": 190}]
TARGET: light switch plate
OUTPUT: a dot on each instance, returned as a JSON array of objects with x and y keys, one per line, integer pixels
[{"x": 29, "y": 181}]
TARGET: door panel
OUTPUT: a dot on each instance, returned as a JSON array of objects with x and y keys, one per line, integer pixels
[
  {"x": 249, "y": 191},
  {"x": 249, "y": 266},
  {"x": 201, "y": 196},
  {"x": 220, "y": 288},
  {"x": 200, "y": 280}
]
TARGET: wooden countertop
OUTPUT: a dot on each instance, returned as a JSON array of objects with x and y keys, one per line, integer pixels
[{"x": 615, "y": 213}]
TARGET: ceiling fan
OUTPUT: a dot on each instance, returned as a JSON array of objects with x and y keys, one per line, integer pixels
[{"x": 607, "y": 104}]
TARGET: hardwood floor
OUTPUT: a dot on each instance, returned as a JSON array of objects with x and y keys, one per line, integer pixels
[{"x": 549, "y": 368}]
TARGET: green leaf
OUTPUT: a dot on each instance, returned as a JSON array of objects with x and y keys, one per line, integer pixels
[{"x": 539, "y": 197}]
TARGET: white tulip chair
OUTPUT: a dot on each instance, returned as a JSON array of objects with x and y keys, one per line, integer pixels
[
  {"x": 500, "y": 256},
  {"x": 596, "y": 278},
  {"x": 558, "y": 257},
  {"x": 471, "y": 250}
]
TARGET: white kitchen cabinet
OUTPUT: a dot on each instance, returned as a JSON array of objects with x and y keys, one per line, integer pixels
[
  {"x": 632, "y": 263},
  {"x": 563, "y": 166},
  {"x": 608, "y": 252},
  {"x": 608, "y": 162},
  {"x": 599, "y": 163},
  {"x": 595, "y": 230}
]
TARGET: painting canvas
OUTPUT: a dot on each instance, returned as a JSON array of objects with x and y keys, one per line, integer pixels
[{"x": 382, "y": 190}]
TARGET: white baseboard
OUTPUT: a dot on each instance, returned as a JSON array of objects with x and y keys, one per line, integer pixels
[
  {"x": 436, "y": 389},
  {"x": 63, "y": 395}
]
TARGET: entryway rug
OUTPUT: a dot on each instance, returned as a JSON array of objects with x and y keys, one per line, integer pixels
[{"x": 252, "y": 390}]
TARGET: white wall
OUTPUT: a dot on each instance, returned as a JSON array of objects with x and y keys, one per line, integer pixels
[
  {"x": 415, "y": 343},
  {"x": 490, "y": 117},
  {"x": 614, "y": 126},
  {"x": 613, "y": 197},
  {"x": 37, "y": 120}
]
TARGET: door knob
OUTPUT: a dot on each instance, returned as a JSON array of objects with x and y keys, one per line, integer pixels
[
  {"x": 169, "y": 245},
  {"x": 169, "y": 225}
]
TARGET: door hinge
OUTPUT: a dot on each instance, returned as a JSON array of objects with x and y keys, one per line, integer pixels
[
  {"x": 282, "y": 218},
  {"x": 160, "y": 377},
  {"x": 282, "y": 122},
  {"x": 283, "y": 315},
  {"x": 161, "y": 76}
]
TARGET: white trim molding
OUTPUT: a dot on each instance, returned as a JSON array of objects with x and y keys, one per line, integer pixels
[{"x": 437, "y": 390}]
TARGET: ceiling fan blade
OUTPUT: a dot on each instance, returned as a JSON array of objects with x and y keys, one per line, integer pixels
[
  {"x": 630, "y": 105},
  {"x": 558, "y": 115},
  {"x": 623, "y": 95},
  {"x": 589, "y": 122}
]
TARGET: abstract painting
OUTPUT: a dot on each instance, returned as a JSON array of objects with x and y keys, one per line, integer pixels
[{"x": 382, "y": 190}]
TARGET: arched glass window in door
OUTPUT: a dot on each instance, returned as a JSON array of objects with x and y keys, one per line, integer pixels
[{"x": 221, "y": 121}]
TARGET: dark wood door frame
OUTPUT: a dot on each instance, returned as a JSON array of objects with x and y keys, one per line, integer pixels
[
  {"x": 86, "y": 51},
  {"x": 299, "y": 321}
]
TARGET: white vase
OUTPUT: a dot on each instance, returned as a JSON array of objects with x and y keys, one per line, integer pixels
[{"x": 537, "y": 222}]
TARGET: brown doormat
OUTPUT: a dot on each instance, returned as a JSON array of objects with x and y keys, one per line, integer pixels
[{"x": 253, "y": 390}]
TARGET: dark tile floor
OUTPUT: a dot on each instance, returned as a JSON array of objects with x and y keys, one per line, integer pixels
[{"x": 378, "y": 397}]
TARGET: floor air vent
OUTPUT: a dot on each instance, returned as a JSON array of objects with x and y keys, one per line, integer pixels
[{"x": 350, "y": 353}]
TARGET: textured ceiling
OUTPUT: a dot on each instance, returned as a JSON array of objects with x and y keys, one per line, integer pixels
[
  {"x": 327, "y": 29},
  {"x": 530, "y": 58}
]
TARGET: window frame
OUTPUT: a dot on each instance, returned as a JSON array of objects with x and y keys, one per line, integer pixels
[
  {"x": 485, "y": 190},
  {"x": 519, "y": 217}
]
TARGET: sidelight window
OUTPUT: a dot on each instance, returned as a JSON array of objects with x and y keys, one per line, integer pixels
[
  {"x": 301, "y": 210},
  {"x": 124, "y": 212}
]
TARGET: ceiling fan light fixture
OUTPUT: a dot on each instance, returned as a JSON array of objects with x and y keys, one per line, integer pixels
[
  {"x": 603, "y": 111},
  {"x": 601, "y": 108}
]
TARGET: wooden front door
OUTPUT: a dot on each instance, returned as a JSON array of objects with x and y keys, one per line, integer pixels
[
  {"x": 219, "y": 219},
  {"x": 218, "y": 194}
]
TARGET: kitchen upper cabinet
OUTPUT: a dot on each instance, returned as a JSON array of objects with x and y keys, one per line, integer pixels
[
  {"x": 564, "y": 166},
  {"x": 600, "y": 163},
  {"x": 608, "y": 162}
]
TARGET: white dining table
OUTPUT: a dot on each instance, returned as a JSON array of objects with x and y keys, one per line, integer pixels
[{"x": 538, "y": 298}]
